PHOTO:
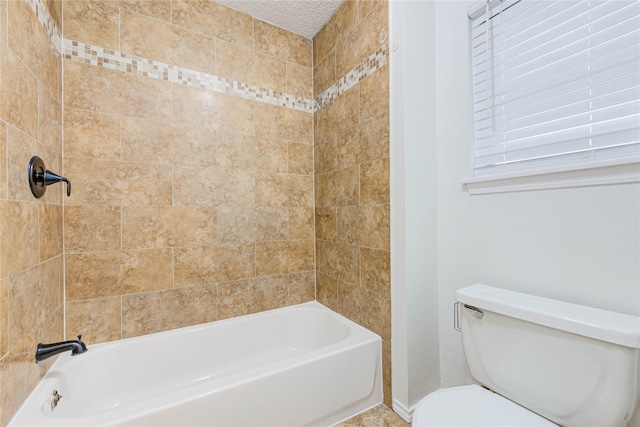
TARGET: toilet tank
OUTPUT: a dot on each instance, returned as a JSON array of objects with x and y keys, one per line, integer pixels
[{"x": 575, "y": 365}]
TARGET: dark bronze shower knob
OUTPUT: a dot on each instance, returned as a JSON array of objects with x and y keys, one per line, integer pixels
[{"x": 40, "y": 178}]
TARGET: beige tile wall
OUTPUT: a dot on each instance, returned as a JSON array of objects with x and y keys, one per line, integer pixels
[
  {"x": 31, "y": 273},
  {"x": 189, "y": 205},
  {"x": 352, "y": 174}
]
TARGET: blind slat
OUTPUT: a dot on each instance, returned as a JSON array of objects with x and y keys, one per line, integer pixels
[
  {"x": 577, "y": 126},
  {"x": 622, "y": 76},
  {"x": 556, "y": 81},
  {"x": 582, "y": 103}
]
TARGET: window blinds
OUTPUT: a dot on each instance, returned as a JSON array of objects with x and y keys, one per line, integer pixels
[{"x": 555, "y": 84}]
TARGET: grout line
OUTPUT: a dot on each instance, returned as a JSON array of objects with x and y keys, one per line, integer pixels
[
  {"x": 121, "y": 221},
  {"x": 217, "y": 300},
  {"x": 121, "y": 318},
  {"x": 173, "y": 268},
  {"x": 119, "y": 28},
  {"x": 253, "y": 33},
  {"x": 120, "y": 158},
  {"x": 313, "y": 178}
]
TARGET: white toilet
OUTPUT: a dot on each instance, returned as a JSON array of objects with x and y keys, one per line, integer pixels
[{"x": 540, "y": 363}]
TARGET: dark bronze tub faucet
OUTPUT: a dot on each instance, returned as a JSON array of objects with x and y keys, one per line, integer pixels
[{"x": 45, "y": 351}]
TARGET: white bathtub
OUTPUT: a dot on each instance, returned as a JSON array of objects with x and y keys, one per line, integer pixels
[{"x": 295, "y": 366}]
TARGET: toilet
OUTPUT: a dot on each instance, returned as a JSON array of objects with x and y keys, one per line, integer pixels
[{"x": 538, "y": 362}]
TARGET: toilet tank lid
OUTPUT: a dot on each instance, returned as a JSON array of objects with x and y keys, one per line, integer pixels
[{"x": 603, "y": 325}]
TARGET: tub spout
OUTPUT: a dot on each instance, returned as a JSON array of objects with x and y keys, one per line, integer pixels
[{"x": 45, "y": 351}]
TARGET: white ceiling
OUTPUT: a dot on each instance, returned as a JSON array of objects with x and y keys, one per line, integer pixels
[{"x": 304, "y": 17}]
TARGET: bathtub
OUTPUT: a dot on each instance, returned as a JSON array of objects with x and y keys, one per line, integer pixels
[{"x": 294, "y": 366}]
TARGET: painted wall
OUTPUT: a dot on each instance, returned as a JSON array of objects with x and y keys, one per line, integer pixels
[
  {"x": 190, "y": 204},
  {"x": 30, "y": 229},
  {"x": 413, "y": 204},
  {"x": 352, "y": 169},
  {"x": 580, "y": 245}
]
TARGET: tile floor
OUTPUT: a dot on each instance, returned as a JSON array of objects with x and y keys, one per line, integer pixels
[{"x": 380, "y": 416}]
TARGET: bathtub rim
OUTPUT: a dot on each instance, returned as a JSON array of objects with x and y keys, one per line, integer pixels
[{"x": 242, "y": 318}]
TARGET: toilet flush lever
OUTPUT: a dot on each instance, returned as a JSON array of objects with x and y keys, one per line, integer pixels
[{"x": 475, "y": 312}]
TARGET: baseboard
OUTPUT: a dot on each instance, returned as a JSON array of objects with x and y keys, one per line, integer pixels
[{"x": 404, "y": 412}]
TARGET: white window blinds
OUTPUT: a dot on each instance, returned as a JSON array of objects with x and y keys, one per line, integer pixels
[{"x": 555, "y": 83}]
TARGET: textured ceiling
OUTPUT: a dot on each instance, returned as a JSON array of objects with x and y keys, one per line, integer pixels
[{"x": 304, "y": 17}]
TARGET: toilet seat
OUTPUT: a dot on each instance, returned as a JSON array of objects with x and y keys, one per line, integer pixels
[{"x": 473, "y": 405}]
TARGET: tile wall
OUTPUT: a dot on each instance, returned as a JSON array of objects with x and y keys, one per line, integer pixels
[
  {"x": 31, "y": 261},
  {"x": 191, "y": 203},
  {"x": 217, "y": 162},
  {"x": 351, "y": 144}
]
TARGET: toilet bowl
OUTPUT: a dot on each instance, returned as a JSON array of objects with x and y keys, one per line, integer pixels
[
  {"x": 539, "y": 362},
  {"x": 473, "y": 406}
]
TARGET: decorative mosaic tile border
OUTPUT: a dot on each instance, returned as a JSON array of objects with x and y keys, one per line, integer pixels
[
  {"x": 45, "y": 19},
  {"x": 367, "y": 67},
  {"x": 115, "y": 60}
]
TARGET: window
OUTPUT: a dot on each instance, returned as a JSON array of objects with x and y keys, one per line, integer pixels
[{"x": 556, "y": 86}]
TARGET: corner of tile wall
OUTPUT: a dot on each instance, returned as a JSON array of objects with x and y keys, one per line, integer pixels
[
  {"x": 351, "y": 154},
  {"x": 31, "y": 253}
]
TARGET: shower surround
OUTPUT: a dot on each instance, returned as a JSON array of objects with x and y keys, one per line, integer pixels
[
  {"x": 195, "y": 202},
  {"x": 189, "y": 132}
]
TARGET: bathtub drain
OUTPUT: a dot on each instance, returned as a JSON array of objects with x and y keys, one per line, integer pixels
[{"x": 55, "y": 398}]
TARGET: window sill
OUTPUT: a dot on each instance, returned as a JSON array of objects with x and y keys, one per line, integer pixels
[{"x": 595, "y": 175}]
